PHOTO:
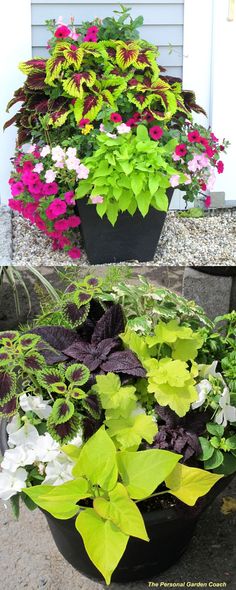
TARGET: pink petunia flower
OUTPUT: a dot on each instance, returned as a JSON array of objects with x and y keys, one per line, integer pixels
[
  {"x": 220, "y": 167},
  {"x": 193, "y": 136},
  {"x": 96, "y": 199},
  {"x": 74, "y": 252},
  {"x": 62, "y": 224},
  {"x": 181, "y": 150},
  {"x": 115, "y": 118},
  {"x": 51, "y": 188},
  {"x": 175, "y": 157},
  {"x": 83, "y": 122},
  {"x": 17, "y": 188},
  {"x": 207, "y": 202},
  {"x": 38, "y": 167},
  {"x": 123, "y": 128},
  {"x": 156, "y": 132},
  {"x": 174, "y": 180},
  {"x": 15, "y": 205},
  {"x": 56, "y": 208},
  {"x": 69, "y": 197},
  {"x": 31, "y": 149},
  {"x": 82, "y": 172},
  {"x": 62, "y": 32},
  {"x": 74, "y": 221}
]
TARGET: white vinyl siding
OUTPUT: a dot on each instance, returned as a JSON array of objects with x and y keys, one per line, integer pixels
[{"x": 163, "y": 24}]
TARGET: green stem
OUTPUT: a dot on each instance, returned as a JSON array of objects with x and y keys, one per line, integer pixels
[{"x": 152, "y": 496}]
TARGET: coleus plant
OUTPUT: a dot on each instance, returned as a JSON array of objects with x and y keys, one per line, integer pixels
[
  {"x": 89, "y": 71},
  {"x": 105, "y": 413}
]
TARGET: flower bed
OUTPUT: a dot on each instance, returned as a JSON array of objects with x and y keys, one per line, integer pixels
[
  {"x": 116, "y": 395},
  {"x": 92, "y": 111}
]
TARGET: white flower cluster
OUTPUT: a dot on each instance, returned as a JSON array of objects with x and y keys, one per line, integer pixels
[
  {"x": 226, "y": 413},
  {"x": 62, "y": 159},
  {"x": 28, "y": 448}
]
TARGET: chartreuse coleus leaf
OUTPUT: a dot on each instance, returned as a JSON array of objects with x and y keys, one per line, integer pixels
[
  {"x": 135, "y": 343},
  {"x": 128, "y": 433},
  {"x": 189, "y": 483},
  {"x": 172, "y": 384},
  {"x": 60, "y": 501},
  {"x": 97, "y": 461},
  {"x": 122, "y": 511},
  {"x": 115, "y": 397},
  {"x": 144, "y": 471},
  {"x": 184, "y": 342},
  {"x": 104, "y": 542}
]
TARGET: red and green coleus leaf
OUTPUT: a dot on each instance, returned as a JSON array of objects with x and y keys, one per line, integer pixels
[
  {"x": 9, "y": 409},
  {"x": 107, "y": 49},
  {"x": 88, "y": 108},
  {"x": 36, "y": 81},
  {"x": 126, "y": 54},
  {"x": 74, "y": 57},
  {"x": 77, "y": 373},
  {"x": 19, "y": 96},
  {"x": 115, "y": 86},
  {"x": 168, "y": 104},
  {"x": 65, "y": 431},
  {"x": 62, "y": 411},
  {"x": 7, "y": 386},
  {"x": 74, "y": 85},
  {"x": 34, "y": 361},
  {"x": 147, "y": 59},
  {"x": 28, "y": 340},
  {"x": 59, "y": 118},
  {"x": 33, "y": 65},
  {"x": 140, "y": 99},
  {"x": 53, "y": 68}
]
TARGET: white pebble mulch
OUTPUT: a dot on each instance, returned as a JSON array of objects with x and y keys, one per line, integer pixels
[{"x": 184, "y": 241}]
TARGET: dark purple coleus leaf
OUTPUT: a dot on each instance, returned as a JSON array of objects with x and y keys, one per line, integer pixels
[
  {"x": 57, "y": 336},
  {"x": 123, "y": 361},
  {"x": 50, "y": 355},
  {"x": 178, "y": 441},
  {"x": 92, "y": 405},
  {"x": 89, "y": 354},
  {"x": 110, "y": 325},
  {"x": 75, "y": 314}
]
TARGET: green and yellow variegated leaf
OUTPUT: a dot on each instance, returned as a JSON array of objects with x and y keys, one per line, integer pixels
[
  {"x": 74, "y": 85},
  {"x": 53, "y": 68},
  {"x": 147, "y": 59},
  {"x": 126, "y": 55},
  {"x": 74, "y": 58},
  {"x": 115, "y": 86},
  {"x": 89, "y": 107},
  {"x": 60, "y": 120},
  {"x": 107, "y": 50},
  {"x": 189, "y": 483}
]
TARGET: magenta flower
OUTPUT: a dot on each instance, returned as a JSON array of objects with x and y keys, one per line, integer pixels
[
  {"x": 15, "y": 205},
  {"x": 69, "y": 197},
  {"x": 62, "y": 224},
  {"x": 62, "y": 32},
  {"x": 181, "y": 150},
  {"x": 74, "y": 221},
  {"x": 40, "y": 223},
  {"x": 194, "y": 136},
  {"x": 17, "y": 188},
  {"x": 27, "y": 166},
  {"x": 220, "y": 167},
  {"x": 84, "y": 122},
  {"x": 51, "y": 188},
  {"x": 207, "y": 202},
  {"x": 115, "y": 118},
  {"x": 56, "y": 208},
  {"x": 156, "y": 132},
  {"x": 74, "y": 253}
]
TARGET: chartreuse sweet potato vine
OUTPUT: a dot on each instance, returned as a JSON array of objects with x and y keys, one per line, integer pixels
[
  {"x": 129, "y": 172},
  {"x": 115, "y": 481}
]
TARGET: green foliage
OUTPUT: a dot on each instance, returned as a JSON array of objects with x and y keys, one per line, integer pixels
[
  {"x": 188, "y": 483},
  {"x": 122, "y": 175},
  {"x": 183, "y": 342},
  {"x": 218, "y": 450},
  {"x": 172, "y": 384}
]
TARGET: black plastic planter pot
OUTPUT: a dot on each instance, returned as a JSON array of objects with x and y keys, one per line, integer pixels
[
  {"x": 132, "y": 238},
  {"x": 170, "y": 531}
]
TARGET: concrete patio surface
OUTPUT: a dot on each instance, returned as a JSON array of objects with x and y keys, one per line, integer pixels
[{"x": 29, "y": 558}]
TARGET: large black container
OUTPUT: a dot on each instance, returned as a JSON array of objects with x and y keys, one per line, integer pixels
[
  {"x": 218, "y": 271},
  {"x": 170, "y": 531},
  {"x": 132, "y": 238}
]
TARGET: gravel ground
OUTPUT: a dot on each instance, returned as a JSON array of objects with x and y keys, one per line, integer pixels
[
  {"x": 207, "y": 241},
  {"x": 29, "y": 558}
]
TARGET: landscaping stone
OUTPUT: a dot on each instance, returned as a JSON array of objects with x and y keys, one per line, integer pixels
[
  {"x": 5, "y": 235},
  {"x": 213, "y": 293}
]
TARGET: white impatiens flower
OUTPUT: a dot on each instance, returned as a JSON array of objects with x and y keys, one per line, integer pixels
[
  {"x": 36, "y": 404},
  {"x": 227, "y": 413},
  {"x": 11, "y": 483},
  {"x": 59, "y": 471},
  {"x": 203, "y": 388}
]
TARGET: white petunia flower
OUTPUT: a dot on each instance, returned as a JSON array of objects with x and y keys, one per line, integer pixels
[
  {"x": 14, "y": 425},
  {"x": 45, "y": 151},
  {"x": 46, "y": 449},
  {"x": 50, "y": 176},
  {"x": 59, "y": 471},
  {"x": 71, "y": 152},
  {"x": 27, "y": 434},
  {"x": 36, "y": 404},
  {"x": 57, "y": 154},
  {"x": 11, "y": 483},
  {"x": 123, "y": 128},
  {"x": 77, "y": 441},
  {"x": 17, "y": 457},
  {"x": 82, "y": 172},
  {"x": 227, "y": 413},
  {"x": 203, "y": 388}
]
